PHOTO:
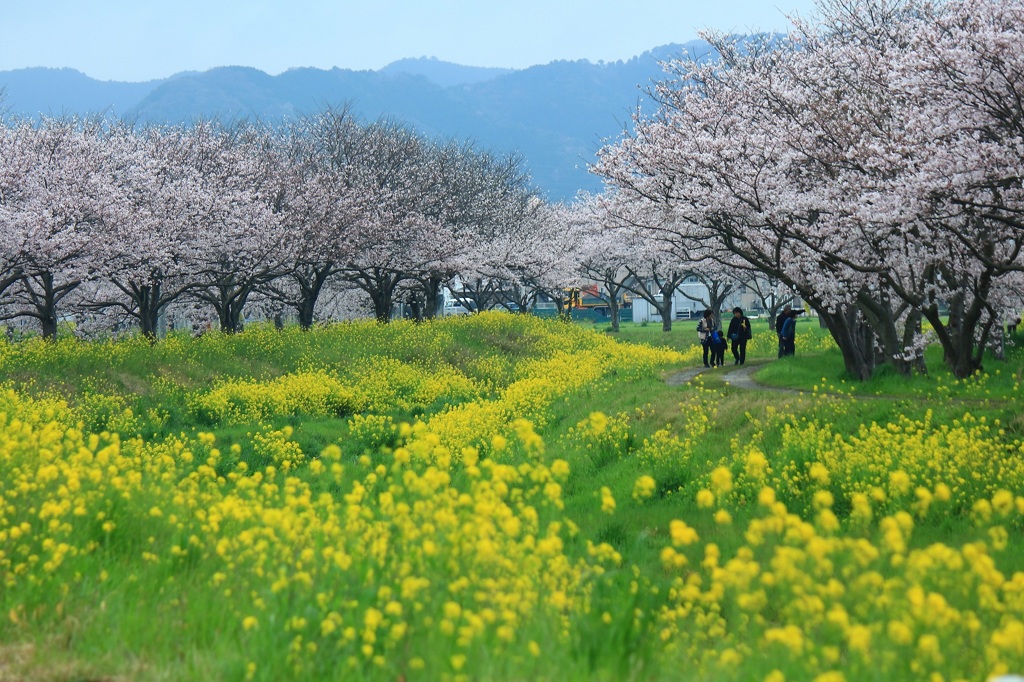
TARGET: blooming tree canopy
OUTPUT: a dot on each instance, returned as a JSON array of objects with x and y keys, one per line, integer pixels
[{"x": 866, "y": 162}]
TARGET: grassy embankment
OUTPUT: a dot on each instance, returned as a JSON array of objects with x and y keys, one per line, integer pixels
[{"x": 558, "y": 512}]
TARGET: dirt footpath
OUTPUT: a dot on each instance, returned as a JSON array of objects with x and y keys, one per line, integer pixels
[{"x": 741, "y": 377}]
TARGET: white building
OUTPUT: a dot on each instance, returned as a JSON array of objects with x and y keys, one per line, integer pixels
[{"x": 683, "y": 306}]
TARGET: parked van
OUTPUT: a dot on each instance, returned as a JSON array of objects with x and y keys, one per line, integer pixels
[{"x": 454, "y": 308}]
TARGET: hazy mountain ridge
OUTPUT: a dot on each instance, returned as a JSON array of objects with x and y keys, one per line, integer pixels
[
  {"x": 445, "y": 74},
  {"x": 555, "y": 115},
  {"x": 40, "y": 90}
]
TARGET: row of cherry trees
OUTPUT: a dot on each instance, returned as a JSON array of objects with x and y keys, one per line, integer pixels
[
  {"x": 112, "y": 225},
  {"x": 100, "y": 220},
  {"x": 871, "y": 161}
]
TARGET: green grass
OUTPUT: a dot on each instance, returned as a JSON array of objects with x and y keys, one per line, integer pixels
[
  {"x": 994, "y": 394},
  {"x": 167, "y": 635}
]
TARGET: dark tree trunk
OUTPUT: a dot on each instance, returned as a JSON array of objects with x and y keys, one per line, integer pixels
[
  {"x": 957, "y": 339},
  {"x": 959, "y": 334},
  {"x": 614, "y": 288},
  {"x": 855, "y": 339},
  {"x": 229, "y": 303},
  {"x": 305, "y": 310},
  {"x": 48, "y": 324},
  {"x": 416, "y": 306},
  {"x": 383, "y": 301},
  {"x": 44, "y": 296},
  {"x": 380, "y": 285},
  {"x": 311, "y": 284},
  {"x": 563, "y": 306},
  {"x": 432, "y": 296},
  {"x": 662, "y": 300},
  {"x": 665, "y": 310},
  {"x": 613, "y": 308},
  {"x": 911, "y": 334},
  {"x": 147, "y": 300},
  {"x": 892, "y": 341},
  {"x": 47, "y": 306}
]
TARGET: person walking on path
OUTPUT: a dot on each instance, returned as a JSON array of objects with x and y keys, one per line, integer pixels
[
  {"x": 718, "y": 346},
  {"x": 787, "y": 337},
  {"x": 780, "y": 320},
  {"x": 739, "y": 334},
  {"x": 705, "y": 329}
]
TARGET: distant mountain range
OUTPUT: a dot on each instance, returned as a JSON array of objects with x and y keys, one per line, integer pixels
[{"x": 555, "y": 115}]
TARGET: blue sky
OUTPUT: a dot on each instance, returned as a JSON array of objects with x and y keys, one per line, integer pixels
[{"x": 134, "y": 40}]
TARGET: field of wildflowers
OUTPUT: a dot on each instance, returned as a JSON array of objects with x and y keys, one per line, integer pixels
[{"x": 491, "y": 497}]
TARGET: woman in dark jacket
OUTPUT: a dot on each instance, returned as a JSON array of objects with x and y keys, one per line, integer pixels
[{"x": 739, "y": 334}]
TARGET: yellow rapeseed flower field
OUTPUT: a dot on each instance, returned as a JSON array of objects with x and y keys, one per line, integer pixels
[{"x": 450, "y": 544}]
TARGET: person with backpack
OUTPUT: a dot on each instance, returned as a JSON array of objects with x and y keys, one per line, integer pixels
[
  {"x": 718, "y": 346},
  {"x": 787, "y": 337},
  {"x": 780, "y": 320},
  {"x": 706, "y": 329},
  {"x": 739, "y": 333}
]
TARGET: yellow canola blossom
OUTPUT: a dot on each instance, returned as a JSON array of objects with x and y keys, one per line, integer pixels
[
  {"x": 817, "y": 599},
  {"x": 385, "y": 384},
  {"x": 493, "y": 545},
  {"x": 916, "y": 464},
  {"x": 438, "y": 547}
]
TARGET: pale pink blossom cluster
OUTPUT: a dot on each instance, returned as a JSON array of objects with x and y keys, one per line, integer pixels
[
  {"x": 108, "y": 224},
  {"x": 872, "y": 161}
]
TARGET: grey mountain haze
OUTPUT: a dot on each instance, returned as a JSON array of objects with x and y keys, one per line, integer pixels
[
  {"x": 555, "y": 115},
  {"x": 445, "y": 74}
]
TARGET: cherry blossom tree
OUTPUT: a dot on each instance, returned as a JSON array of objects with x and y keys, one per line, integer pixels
[
  {"x": 770, "y": 294},
  {"x": 241, "y": 243},
  {"x": 320, "y": 205},
  {"x": 712, "y": 156},
  {"x": 502, "y": 249},
  {"x": 963, "y": 68},
  {"x": 15, "y": 165},
  {"x": 147, "y": 254},
  {"x": 848, "y": 163},
  {"x": 469, "y": 194},
  {"x": 542, "y": 257},
  {"x": 655, "y": 276},
  {"x": 386, "y": 164},
  {"x": 604, "y": 252},
  {"x": 656, "y": 266},
  {"x": 910, "y": 181},
  {"x": 53, "y": 216}
]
